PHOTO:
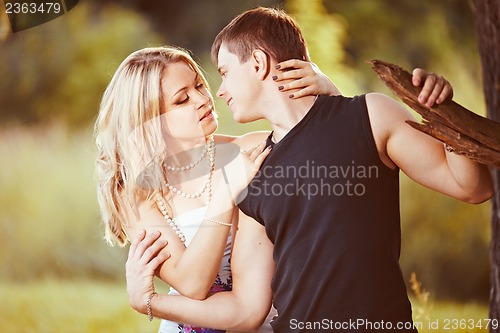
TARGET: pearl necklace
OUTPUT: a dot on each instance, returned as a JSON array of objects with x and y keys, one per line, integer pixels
[
  {"x": 207, "y": 185},
  {"x": 191, "y": 165},
  {"x": 161, "y": 203},
  {"x": 162, "y": 206}
]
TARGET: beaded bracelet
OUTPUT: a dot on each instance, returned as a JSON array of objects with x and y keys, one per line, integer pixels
[
  {"x": 218, "y": 222},
  {"x": 148, "y": 305}
]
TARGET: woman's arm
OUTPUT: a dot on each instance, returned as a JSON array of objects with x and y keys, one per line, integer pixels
[
  {"x": 243, "y": 308},
  {"x": 304, "y": 78},
  {"x": 192, "y": 270}
]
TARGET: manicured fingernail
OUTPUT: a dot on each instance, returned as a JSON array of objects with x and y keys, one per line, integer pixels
[
  {"x": 280, "y": 88},
  {"x": 277, "y": 66},
  {"x": 291, "y": 96},
  {"x": 275, "y": 77}
]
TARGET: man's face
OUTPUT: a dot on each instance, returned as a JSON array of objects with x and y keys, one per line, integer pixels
[{"x": 239, "y": 86}]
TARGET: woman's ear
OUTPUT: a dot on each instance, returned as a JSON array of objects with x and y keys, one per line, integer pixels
[{"x": 261, "y": 63}]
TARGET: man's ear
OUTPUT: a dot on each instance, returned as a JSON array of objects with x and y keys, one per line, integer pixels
[{"x": 261, "y": 63}]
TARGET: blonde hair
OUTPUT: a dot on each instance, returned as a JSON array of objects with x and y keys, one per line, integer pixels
[{"x": 128, "y": 135}]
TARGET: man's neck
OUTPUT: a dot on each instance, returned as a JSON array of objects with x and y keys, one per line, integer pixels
[{"x": 285, "y": 113}]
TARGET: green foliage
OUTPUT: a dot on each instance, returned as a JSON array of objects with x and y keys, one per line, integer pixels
[
  {"x": 445, "y": 242},
  {"x": 325, "y": 34},
  {"x": 59, "y": 70},
  {"x": 49, "y": 220},
  {"x": 438, "y": 36}
]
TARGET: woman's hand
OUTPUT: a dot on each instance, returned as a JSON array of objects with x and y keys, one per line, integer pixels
[
  {"x": 145, "y": 255},
  {"x": 238, "y": 168},
  {"x": 254, "y": 158},
  {"x": 304, "y": 76},
  {"x": 243, "y": 169}
]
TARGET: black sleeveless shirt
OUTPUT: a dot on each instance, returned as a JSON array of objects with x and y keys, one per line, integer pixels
[{"x": 331, "y": 208}]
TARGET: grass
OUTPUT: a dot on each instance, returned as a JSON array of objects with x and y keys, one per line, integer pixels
[
  {"x": 53, "y": 306},
  {"x": 453, "y": 317},
  {"x": 429, "y": 316}
]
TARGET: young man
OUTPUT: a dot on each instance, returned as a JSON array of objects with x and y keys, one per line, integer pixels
[{"x": 326, "y": 199}]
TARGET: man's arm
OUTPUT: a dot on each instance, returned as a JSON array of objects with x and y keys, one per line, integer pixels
[
  {"x": 244, "y": 308},
  {"x": 423, "y": 158}
]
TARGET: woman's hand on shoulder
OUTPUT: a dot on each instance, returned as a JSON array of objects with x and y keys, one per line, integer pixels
[
  {"x": 304, "y": 78},
  {"x": 241, "y": 158}
]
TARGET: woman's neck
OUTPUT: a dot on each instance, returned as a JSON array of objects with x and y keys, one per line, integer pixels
[{"x": 184, "y": 152}]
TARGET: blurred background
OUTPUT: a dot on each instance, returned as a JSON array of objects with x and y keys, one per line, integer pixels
[{"x": 57, "y": 274}]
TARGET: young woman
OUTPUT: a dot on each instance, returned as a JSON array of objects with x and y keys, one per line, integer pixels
[{"x": 161, "y": 168}]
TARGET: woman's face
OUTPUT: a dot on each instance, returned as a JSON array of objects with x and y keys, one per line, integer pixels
[{"x": 188, "y": 107}]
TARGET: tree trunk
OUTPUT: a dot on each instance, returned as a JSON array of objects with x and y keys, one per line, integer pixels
[{"x": 488, "y": 35}]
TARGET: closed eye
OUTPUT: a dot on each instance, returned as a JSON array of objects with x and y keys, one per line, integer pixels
[{"x": 183, "y": 101}]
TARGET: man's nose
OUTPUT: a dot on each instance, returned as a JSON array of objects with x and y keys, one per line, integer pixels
[{"x": 221, "y": 91}]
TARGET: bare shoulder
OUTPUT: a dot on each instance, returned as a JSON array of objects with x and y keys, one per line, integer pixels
[
  {"x": 386, "y": 115},
  {"x": 244, "y": 141},
  {"x": 382, "y": 106},
  {"x": 387, "y": 119}
]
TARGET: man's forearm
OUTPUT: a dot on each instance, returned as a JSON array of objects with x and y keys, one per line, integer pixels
[{"x": 222, "y": 310}]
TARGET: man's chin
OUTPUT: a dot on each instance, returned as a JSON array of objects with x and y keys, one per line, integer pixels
[
  {"x": 242, "y": 119},
  {"x": 239, "y": 119}
]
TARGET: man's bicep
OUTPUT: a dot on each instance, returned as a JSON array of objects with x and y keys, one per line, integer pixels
[{"x": 252, "y": 265}]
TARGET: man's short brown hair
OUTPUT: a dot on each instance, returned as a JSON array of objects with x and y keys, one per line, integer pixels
[{"x": 270, "y": 30}]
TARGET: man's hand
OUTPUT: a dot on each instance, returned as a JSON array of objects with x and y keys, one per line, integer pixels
[
  {"x": 435, "y": 88},
  {"x": 145, "y": 255}
]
